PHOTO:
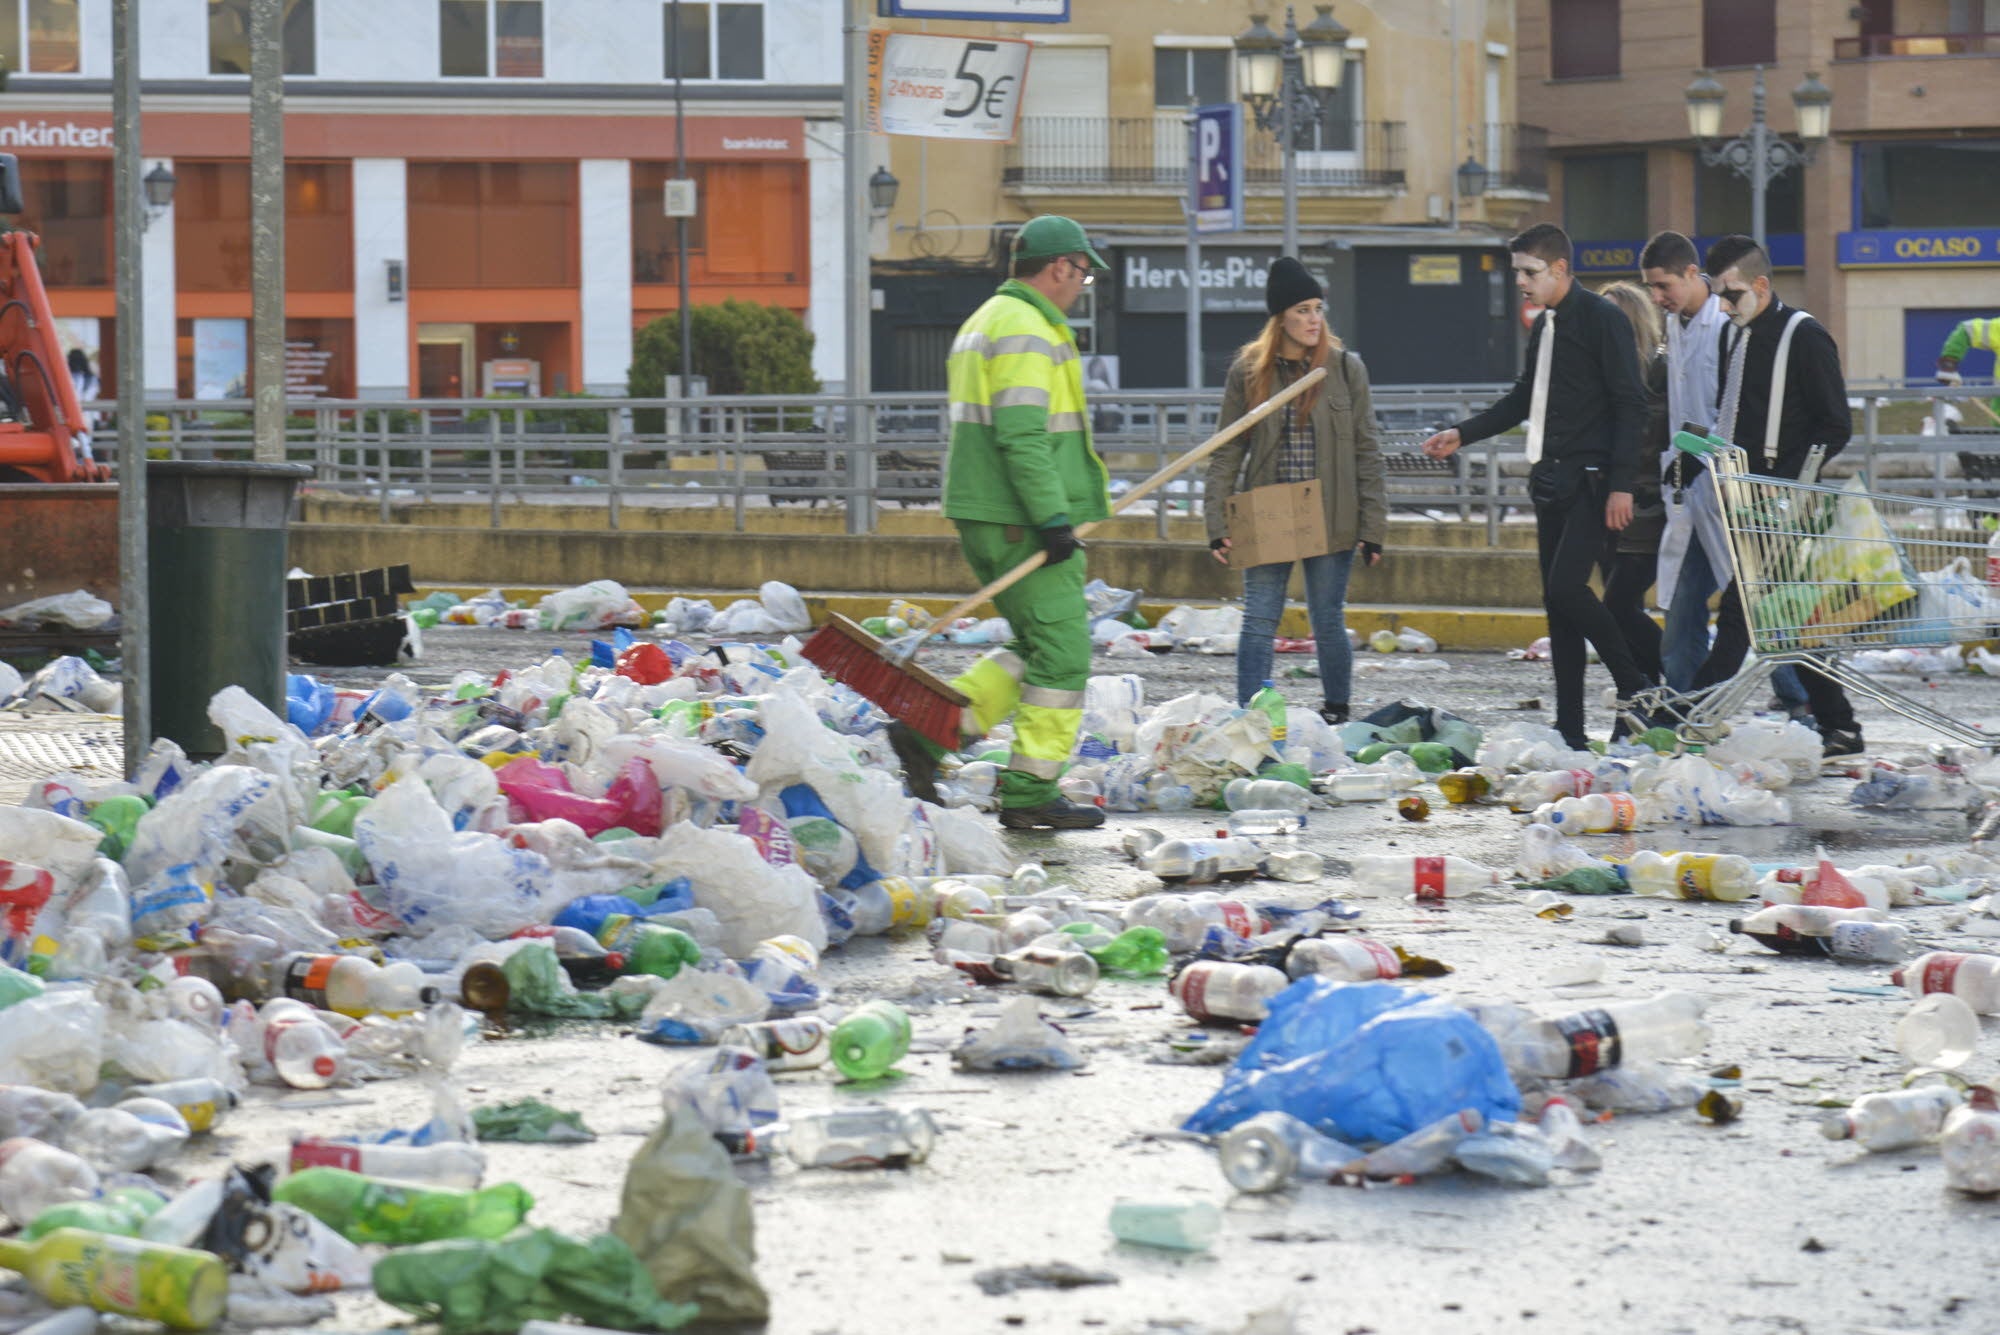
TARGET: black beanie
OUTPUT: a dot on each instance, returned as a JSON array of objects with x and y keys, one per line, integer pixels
[{"x": 1288, "y": 285}]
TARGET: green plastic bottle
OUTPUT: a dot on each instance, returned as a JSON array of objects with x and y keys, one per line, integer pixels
[
  {"x": 648, "y": 947},
  {"x": 120, "y": 1213},
  {"x": 1136, "y": 952},
  {"x": 368, "y": 1209},
  {"x": 118, "y": 817},
  {"x": 1272, "y": 705},
  {"x": 176, "y": 1286},
  {"x": 871, "y": 1040}
]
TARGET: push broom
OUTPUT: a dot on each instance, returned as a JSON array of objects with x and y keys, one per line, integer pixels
[{"x": 885, "y": 673}]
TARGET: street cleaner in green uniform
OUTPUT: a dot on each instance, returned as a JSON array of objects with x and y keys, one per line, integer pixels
[
  {"x": 1980, "y": 334},
  {"x": 1020, "y": 476}
]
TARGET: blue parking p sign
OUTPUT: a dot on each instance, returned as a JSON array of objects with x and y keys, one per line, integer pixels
[{"x": 1218, "y": 168}]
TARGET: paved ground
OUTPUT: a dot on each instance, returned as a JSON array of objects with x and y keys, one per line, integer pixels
[{"x": 1761, "y": 1226}]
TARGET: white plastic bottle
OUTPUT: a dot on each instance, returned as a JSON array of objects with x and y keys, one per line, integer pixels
[
  {"x": 1424, "y": 1150},
  {"x": 1970, "y": 1145},
  {"x": 303, "y": 1052},
  {"x": 1428, "y": 878},
  {"x": 1973, "y": 979},
  {"x": 1215, "y": 990},
  {"x": 1369, "y": 786},
  {"x": 42, "y": 1114},
  {"x": 1525, "y": 792},
  {"x": 1293, "y": 864},
  {"x": 1594, "y": 813},
  {"x": 1804, "y": 929},
  {"x": 1351, "y": 959},
  {"x": 1247, "y": 794},
  {"x": 1185, "y": 919},
  {"x": 1883, "y": 942},
  {"x": 1717, "y": 876},
  {"x": 1893, "y": 1120},
  {"x": 34, "y": 1176},
  {"x": 1562, "y": 1129},
  {"x": 351, "y": 985},
  {"x": 445, "y": 1164},
  {"x": 1257, "y": 822},
  {"x": 1273, "y": 1149},
  {"x": 1200, "y": 861},
  {"x": 1569, "y": 1046}
]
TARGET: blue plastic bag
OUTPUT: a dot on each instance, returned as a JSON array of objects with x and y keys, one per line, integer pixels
[
  {"x": 308, "y": 702},
  {"x": 1397, "y": 1068}
]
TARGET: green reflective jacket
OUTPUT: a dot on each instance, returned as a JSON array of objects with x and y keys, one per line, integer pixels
[{"x": 1020, "y": 433}]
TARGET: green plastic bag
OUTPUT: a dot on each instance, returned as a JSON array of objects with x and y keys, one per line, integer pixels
[
  {"x": 466, "y": 1285},
  {"x": 540, "y": 987},
  {"x": 530, "y": 1121},
  {"x": 685, "y": 1213},
  {"x": 1588, "y": 881}
]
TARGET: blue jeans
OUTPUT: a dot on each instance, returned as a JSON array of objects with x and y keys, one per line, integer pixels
[
  {"x": 1326, "y": 607},
  {"x": 1785, "y": 684},
  {"x": 1684, "y": 646}
]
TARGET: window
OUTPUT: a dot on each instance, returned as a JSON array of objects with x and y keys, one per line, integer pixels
[
  {"x": 1739, "y": 32},
  {"x": 748, "y": 230},
  {"x": 51, "y": 30},
  {"x": 1583, "y": 39},
  {"x": 1722, "y": 202},
  {"x": 69, "y": 206},
  {"x": 1929, "y": 185},
  {"x": 212, "y": 226},
  {"x": 715, "y": 41},
  {"x": 1180, "y": 71},
  {"x": 497, "y": 38},
  {"x": 229, "y": 37},
  {"x": 492, "y": 224},
  {"x": 1604, "y": 197}
]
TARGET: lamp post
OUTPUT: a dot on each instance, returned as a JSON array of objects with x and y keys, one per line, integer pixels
[
  {"x": 1761, "y": 155},
  {"x": 1282, "y": 79},
  {"x": 882, "y": 188}
]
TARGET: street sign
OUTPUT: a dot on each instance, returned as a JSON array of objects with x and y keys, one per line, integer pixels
[
  {"x": 945, "y": 87},
  {"x": 681, "y": 199},
  {"x": 1003, "y": 11},
  {"x": 1218, "y": 156}
]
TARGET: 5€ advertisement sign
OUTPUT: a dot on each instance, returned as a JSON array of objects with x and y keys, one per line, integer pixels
[
  {"x": 1218, "y": 168},
  {"x": 945, "y": 87},
  {"x": 1006, "y": 11}
]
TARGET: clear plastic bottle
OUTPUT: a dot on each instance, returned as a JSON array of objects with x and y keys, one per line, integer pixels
[
  {"x": 1569, "y": 1046},
  {"x": 1201, "y": 861},
  {"x": 1184, "y": 919},
  {"x": 1357, "y": 787},
  {"x": 1424, "y": 1150},
  {"x": 1351, "y": 959},
  {"x": 1717, "y": 876},
  {"x": 863, "y": 1136},
  {"x": 1273, "y": 1149},
  {"x": 1211, "y": 990},
  {"x": 1803, "y": 929},
  {"x": 1593, "y": 813},
  {"x": 351, "y": 985},
  {"x": 953, "y": 898},
  {"x": 129, "y": 1138},
  {"x": 798, "y": 1044},
  {"x": 34, "y": 1176},
  {"x": 446, "y": 1164},
  {"x": 1294, "y": 864},
  {"x": 1428, "y": 878},
  {"x": 1246, "y": 794},
  {"x": 304, "y": 1052},
  {"x": 1893, "y": 1120},
  {"x": 1062, "y": 973},
  {"x": 40, "y": 1114},
  {"x": 1562, "y": 1129},
  {"x": 1525, "y": 792},
  {"x": 1256, "y": 822},
  {"x": 1970, "y": 1145},
  {"x": 1882, "y": 942},
  {"x": 1973, "y": 979}
]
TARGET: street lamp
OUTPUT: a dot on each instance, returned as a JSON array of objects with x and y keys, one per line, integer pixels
[
  {"x": 1282, "y": 79},
  {"x": 159, "y": 186},
  {"x": 882, "y": 188},
  {"x": 1761, "y": 156},
  {"x": 1472, "y": 175}
]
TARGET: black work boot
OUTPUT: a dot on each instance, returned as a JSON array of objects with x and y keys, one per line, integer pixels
[
  {"x": 919, "y": 761},
  {"x": 1057, "y": 814},
  {"x": 1332, "y": 713},
  {"x": 1837, "y": 742}
]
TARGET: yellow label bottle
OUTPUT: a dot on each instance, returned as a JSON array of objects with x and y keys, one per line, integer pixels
[{"x": 70, "y": 1267}]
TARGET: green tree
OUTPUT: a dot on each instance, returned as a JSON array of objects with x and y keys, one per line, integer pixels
[{"x": 742, "y": 348}]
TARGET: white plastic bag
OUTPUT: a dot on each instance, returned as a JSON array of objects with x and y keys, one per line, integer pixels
[
  {"x": 1021, "y": 1041},
  {"x": 753, "y": 899},
  {"x": 970, "y": 845},
  {"x": 785, "y": 606},
  {"x": 431, "y": 877},
  {"x": 55, "y": 1041},
  {"x": 228, "y": 811},
  {"x": 58, "y": 845},
  {"x": 695, "y": 1006},
  {"x": 78, "y": 610},
  {"x": 586, "y": 607}
]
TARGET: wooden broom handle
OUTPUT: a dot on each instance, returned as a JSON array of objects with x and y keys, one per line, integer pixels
[{"x": 1150, "y": 485}]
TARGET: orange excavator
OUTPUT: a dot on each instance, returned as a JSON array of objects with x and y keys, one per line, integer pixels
[{"x": 43, "y": 432}]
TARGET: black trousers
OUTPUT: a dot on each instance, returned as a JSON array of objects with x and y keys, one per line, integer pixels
[
  {"x": 1627, "y": 576},
  {"x": 1832, "y": 711},
  {"x": 1569, "y": 535}
]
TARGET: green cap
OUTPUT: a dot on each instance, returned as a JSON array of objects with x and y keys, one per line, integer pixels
[{"x": 1051, "y": 235}]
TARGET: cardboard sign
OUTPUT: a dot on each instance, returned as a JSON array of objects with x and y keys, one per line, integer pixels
[
  {"x": 945, "y": 87},
  {"x": 1286, "y": 522}
]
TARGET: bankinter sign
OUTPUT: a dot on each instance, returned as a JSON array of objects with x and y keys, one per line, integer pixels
[{"x": 22, "y": 133}]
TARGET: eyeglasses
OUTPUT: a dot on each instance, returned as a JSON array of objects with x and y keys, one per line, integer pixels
[{"x": 1083, "y": 267}]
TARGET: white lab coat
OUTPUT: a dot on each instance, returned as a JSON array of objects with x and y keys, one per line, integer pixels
[{"x": 1692, "y": 363}]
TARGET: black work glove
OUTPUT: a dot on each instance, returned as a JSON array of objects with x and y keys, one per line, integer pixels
[
  {"x": 1060, "y": 543},
  {"x": 1371, "y": 552},
  {"x": 1215, "y": 544}
]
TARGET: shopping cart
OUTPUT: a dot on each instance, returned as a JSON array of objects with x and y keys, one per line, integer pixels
[{"x": 1824, "y": 569}]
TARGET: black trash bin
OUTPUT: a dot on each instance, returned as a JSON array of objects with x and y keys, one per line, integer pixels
[{"x": 216, "y": 563}]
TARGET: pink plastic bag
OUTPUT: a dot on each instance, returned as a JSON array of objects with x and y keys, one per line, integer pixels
[
  {"x": 771, "y": 835},
  {"x": 537, "y": 791}
]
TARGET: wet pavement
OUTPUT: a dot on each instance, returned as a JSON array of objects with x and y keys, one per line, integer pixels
[{"x": 1758, "y": 1226}]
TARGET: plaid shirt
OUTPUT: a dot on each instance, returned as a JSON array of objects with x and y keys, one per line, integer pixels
[{"x": 1298, "y": 461}]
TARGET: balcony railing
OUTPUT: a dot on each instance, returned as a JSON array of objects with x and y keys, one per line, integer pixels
[
  {"x": 1880, "y": 45},
  {"x": 1150, "y": 154},
  {"x": 1516, "y": 157}
]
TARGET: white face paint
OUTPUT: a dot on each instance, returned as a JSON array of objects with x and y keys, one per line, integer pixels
[
  {"x": 1538, "y": 280},
  {"x": 1743, "y": 298}
]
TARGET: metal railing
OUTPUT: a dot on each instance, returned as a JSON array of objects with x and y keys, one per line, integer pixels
[
  {"x": 1517, "y": 157},
  {"x": 750, "y": 452},
  {"x": 1878, "y": 45},
  {"x": 1151, "y": 153}
]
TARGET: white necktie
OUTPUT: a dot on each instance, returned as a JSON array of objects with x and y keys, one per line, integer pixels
[
  {"x": 1538, "y": 401},
  {"x": 1732, "y": 388}
]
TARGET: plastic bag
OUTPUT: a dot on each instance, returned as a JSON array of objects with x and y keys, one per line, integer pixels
[
  {"x": 468, "y": 1285},
  {"x": 787, "y": 609},
  {"x": 225, "y": 812},
  {"x": 970, "y": 845},
  {"x": 1952, "y": 605},
  {"x": 431, "y": 877},
  {"x": 695, "y": 1007},
  {"x": 687, "y": 1218},
  {"x": 55, "y": 1041},
  {"x": 728, "y": 1089},
  {"x": 589, "y": 606},
  {"x": 537, "y": 791},
  {"x": 11, "y": 682},
  {"x": 745, "y": 616},
  {"x": 1021, "y": 1041},
  {"x": 78, "y": 610},
  {"x": 530, "y": 1121},
  {"x": 63, "y": 847},
  {"x": 752, "y": 899}
]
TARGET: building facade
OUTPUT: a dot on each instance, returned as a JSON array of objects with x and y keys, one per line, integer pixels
[
  {"x": 1890, "y": 236},
  {"x": 1416, "y": 275},
  {"x": 473, "y": 188}
]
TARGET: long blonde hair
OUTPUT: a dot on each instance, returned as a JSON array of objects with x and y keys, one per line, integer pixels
[
  {"x": 1647, "y": 335},
  {"x": 1259, "y": 358}
]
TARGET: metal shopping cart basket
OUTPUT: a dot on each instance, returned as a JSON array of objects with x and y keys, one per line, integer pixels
[{"x": 1824, "y": 569}]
